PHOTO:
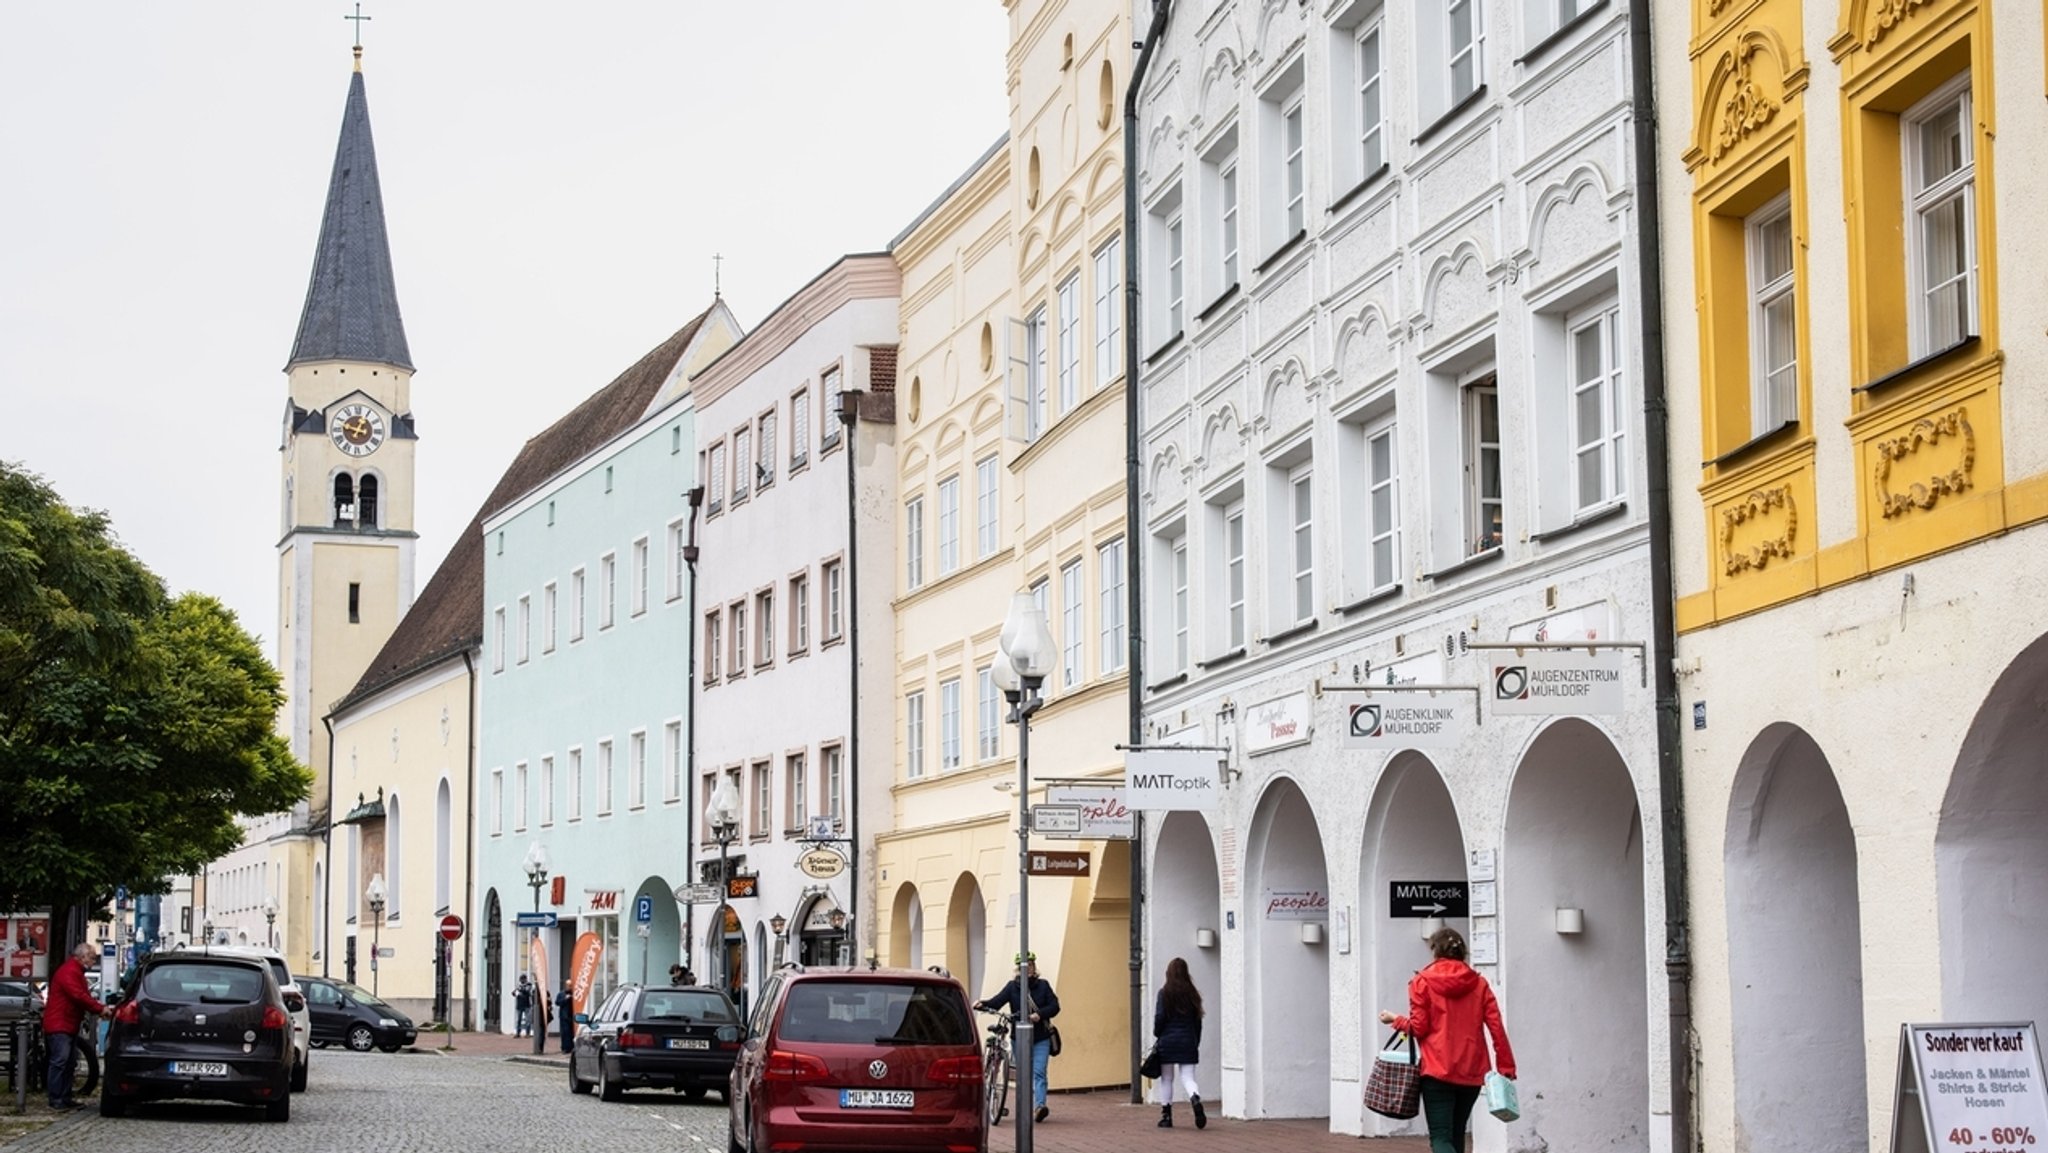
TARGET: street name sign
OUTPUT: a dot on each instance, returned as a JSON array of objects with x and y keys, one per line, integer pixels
[
  {"x": 1429, "y": 899},
  {"x": 536, "y": 920},
  {"x": 1064, "y": 819},
  {"x": 451, "y": 928},
  {"x": 1970, "y": 1089},
  {"x": 1055, "y": 863},
  {"x": 706, "y": 894}
]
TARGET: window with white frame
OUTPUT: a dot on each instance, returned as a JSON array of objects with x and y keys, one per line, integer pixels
[
  {"x": 1774, "y": 344},
  {"x": 828, "y": 392},
  {"x": 1297, "y": 567},
  {"x": 525, "y": 628},
  {"x": 519, "y": 797},
  {"x": 1599, "y": 417},
  {"x": 987, "y": 513},
  {"x": 547, "y": 791},
  {"x": 1450, "y": 39},
  {"x": 498, "y": 640},
  {"x": 1464, "y": 39},
  {"x": 604, "y": 778},
  {"x": 835, "y": 599},
  {"x": 636, "y": 769},
  {"x": 949, "y": 724},
  {"x": 913, "y": 543},
  {"x": 913, "y": 734},
  {"x": 1165, "y": 253},
  {"x": 736, "y": 616},
  {"x": 764, "y": 799},
  {"x": 547, "y": 617},
  {"x": 714, "y": 645},
  {"x": 1069, "y": 297},
  {"x": 1220, "y": 215},
  {"x": 497, "y": 803},
  {"x": 678, "y": 540},
  {"x": 1283, "y": 159},
  {"x": 640, "y": 575},
  {"x": 1035, "y": 339},
  {"x": 1109, "y": 563},
  {"x": 1479, "y": 402},
  {"x": 574, "y": 785},
  {"x": 1382, "y": 506},
  {"x": 764, "y": 627},
  {"x": 1369, "y": 74},
  {"x": 576, "y": 599},
  {"x": 1941, "y": 218},
  {"x": 1169, "y": 569},
  {"x": 742, "y": 463},
  {"x": 797, "y": 785},
  {"x": 764, "y": 469},
  {"x": 799, "y": 614},
  {"x": 1293, "y": 169},
  {"x": 607, "y": 588},
  {"x": 835, "y": 782},
  {"x": 799, "y": 428},
  {"x": 714, "y": 479},
  {"x": 1109, "y": 311},
  {"x": 987, "y": 714},
  {"x": 732, "y": 777},
  {"x": 1224, "y": 570},
  {"x": 672, "y": 761},
  {"x": 949, "y": 524},
  {"x": 1073, "y": 624}
]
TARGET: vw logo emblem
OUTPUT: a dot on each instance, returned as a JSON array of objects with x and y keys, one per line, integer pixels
[{"x": 878, "y": 1069}]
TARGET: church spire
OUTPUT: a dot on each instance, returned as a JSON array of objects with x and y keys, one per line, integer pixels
[{"x": 351, "y": 308}]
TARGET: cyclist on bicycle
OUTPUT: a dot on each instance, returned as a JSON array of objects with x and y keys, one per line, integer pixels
[
  {"x": 1044, "y": 1006},
  {"x": 63, "y": 1013}
]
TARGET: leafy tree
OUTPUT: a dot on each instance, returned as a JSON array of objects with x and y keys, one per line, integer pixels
[{"x": 133, "y": 729}]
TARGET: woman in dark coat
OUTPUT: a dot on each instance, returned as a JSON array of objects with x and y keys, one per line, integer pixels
[{"x": 1177, "y": 1032}]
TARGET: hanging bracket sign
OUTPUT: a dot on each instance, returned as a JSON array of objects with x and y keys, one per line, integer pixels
[
  {"x": 1165, "y": 778},
  {"x": 1102, "y": 814},
  {"x": 1557, "y": 682},
  {"x": 1970, "y": 1089}
]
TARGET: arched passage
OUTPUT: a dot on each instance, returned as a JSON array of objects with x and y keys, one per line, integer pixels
[
  {"x": 1792, "y": 907},
  {"x": 1574, "y": 839},
  {"x": 967, "y": 934},
  {"x": 1186, "y": 902},
  {"x": 1411, "y": 834},
  {"x": 494, "y": 962},
  {"x": 906, "y": 928},
  {"x": 1287, "y": 960},
  {"x": 1991, "y": 853},
  {"x": 650, "y": 956}
]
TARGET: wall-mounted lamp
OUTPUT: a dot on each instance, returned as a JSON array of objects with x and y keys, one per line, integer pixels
[
  {"x": 1311, "y": 932},
  {"x": 1570, "y": 920},
  {"x": 1205, "y": 938},
  {"x": 1430, "y": 926},
  {"x": 777, "y": 923}
]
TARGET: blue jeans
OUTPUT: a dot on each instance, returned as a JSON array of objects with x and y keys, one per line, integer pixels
[
  {"x": 1041, "y": 1053},
  {"x": 58, "y": 1075}
]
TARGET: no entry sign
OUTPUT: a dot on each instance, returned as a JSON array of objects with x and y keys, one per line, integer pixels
[{"x": 451, "y": 927}]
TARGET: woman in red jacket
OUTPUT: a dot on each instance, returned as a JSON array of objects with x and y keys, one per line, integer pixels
[{"x": 1451, "y": 1011}]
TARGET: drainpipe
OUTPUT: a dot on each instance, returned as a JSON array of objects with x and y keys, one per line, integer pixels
[
  {"x": 327, "y": 847},
  {"x": 696, "y": 499},
  {"x": 469, "y": 844},
  {"x": 1133, "y": 523},
  {"x": 849, "y": 415},
  {"x": 1663, "y": 590}
]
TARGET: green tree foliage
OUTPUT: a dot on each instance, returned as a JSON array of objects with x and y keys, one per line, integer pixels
[{"x": 133, "y": 728}]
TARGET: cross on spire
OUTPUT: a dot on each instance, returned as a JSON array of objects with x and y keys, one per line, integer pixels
[
  {"x": 359, "y": 18},
  {"x": 717, "y": 264}
]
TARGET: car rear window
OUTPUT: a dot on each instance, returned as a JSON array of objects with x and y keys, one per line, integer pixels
[
  {"x": 203, "y": 984},
  {"x": 279, "y": 973},
  {"x": 684, "y": 1004},
  {"x": 862, "y": 1012}
]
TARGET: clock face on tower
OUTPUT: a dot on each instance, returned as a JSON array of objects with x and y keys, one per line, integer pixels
[{"x": 356, "y": 429}]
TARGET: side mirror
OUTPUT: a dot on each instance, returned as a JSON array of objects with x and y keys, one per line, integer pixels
[{"x": 583, "y": 1018}]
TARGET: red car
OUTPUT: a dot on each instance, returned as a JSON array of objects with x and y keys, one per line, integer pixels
[{"x": 856, "y": 1059}]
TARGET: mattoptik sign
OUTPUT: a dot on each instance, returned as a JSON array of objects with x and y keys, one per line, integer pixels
[{"x": 1429, "y": 899}]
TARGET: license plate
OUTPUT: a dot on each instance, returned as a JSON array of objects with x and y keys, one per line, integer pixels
[
  {"x": 200, "y": 1068},
  {"x": 877, "y": 1099},
  {"x": 688, "y": 1043}
]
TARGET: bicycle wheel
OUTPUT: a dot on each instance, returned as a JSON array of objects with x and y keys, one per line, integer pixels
[
  {"x": 84, "y": 1083},
  {"x": 998, "y": 1076}
]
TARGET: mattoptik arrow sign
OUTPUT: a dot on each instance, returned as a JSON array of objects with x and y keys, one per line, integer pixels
[{"x": 1428, "y": 899}]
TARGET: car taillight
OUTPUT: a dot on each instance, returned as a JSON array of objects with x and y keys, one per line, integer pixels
[
  {"x": 274, "y": 1018},
  {"x": 956, "y": 1069},
  {"x": 129, "y": 1013},
  {"x": 293, "y": 1002},
  {"x": 784, "y": 1065},
  {"x": 628, "y": 1039}
]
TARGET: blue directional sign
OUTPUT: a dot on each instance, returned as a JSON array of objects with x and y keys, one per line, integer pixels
[
  {"x": 643, "y": 909},
  {"x": 536, "y": 920}
]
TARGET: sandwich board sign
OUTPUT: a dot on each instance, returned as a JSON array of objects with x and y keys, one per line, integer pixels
[{"x": 1970, "y": 1089}]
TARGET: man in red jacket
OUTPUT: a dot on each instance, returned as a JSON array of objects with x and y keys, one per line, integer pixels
[
  {"x": 1452, "y": 1013},
  {"x": 63, "y": 1013}
]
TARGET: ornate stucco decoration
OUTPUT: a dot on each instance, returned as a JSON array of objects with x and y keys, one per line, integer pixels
[
  {"x": 1928, "y": 433},
  {"x": 1772, "y": 503},
  {"x": 1753, "y": 81},
  {"x": 1744, "y": 108},
  {"x": 1886, "y": 15}
]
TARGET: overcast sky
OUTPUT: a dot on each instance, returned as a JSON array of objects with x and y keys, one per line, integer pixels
[{"x": 556, "y": 179}]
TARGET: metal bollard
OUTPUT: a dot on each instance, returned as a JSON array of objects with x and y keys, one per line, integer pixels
[{"x": 17, "y": 1046}]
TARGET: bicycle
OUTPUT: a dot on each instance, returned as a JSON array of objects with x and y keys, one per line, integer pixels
[
  {"x": 85, "y": 1049},
  {"x": 996, "y": 1069}
]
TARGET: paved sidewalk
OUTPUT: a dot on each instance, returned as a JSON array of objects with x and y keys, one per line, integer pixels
[{"x": 1104, "y": 1121}]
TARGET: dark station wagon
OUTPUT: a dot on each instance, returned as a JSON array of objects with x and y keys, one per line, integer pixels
[{"x": 671, "y": 1037}]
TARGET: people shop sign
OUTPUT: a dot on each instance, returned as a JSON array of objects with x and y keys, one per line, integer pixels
[
  {"x": 1105, "y": 815},
  {"x": 1556, "y": 682},
  {"x": 1297, "y": 905},
  {"x": 1970, "y": 1089}
]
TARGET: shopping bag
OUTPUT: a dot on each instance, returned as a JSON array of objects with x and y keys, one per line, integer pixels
[
  {"x": 1395, "y": 1087},
  {"x": 1501, "y": 1099}
]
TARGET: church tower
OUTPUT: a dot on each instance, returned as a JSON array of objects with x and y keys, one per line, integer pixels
[{"x": 345, "y": 556}]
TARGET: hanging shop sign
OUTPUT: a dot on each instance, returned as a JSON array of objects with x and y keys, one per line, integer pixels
[
  {"x": 1406, "y": 720},
  {"x": 1280, "y": 723},
  {"x": 824, "y": 864},
  {"x": 1970, "y": 1089},
  {"x": 1172, "y": 780},
  {"x": 1297, "y": 904},
  {"x": 1104, "y": 814},
  {"x": 1557, "y": 682}
]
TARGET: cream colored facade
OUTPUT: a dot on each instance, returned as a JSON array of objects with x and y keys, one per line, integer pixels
[{"x": 1012, "y": 478}]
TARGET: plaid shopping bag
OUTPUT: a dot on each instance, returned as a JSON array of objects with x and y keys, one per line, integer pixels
[{"x": 1395, "y": 1087}]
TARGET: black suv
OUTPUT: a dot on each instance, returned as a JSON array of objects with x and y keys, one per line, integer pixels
[
  {"x": 203, "y": 1026},
  {"x": 669, "y": 1036}
]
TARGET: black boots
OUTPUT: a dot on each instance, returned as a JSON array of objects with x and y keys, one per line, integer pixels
[
  {"x": 1166, "y": 1116},
  {"x": 1201, "y": 1115}
]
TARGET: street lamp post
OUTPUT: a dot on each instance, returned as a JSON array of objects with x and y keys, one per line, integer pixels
[
  {"x": 206, "y": 932},
  {"x": 725, "y": 829},
  {"x": 270, "y": 921},
  {"x": 375, "y": 893},
  {"x": 537, "y": 875},
  {"x": 1025, "y": 657}
]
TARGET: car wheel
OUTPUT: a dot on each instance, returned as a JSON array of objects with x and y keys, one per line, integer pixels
[
  {"x": 360, "y": 1038},
  {"x": 732, "y": 1143},
  {"x": 299, "y": 1072},
  {"x": 576, "y": 1084},
  {"x": 113, "y": 1106},
  {"x": 607, "y": 1089},
  {"x": 693, "y": 1093},
  {"x": 279, "y": 1110},
  {"x": 317, "y": 1044}
]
